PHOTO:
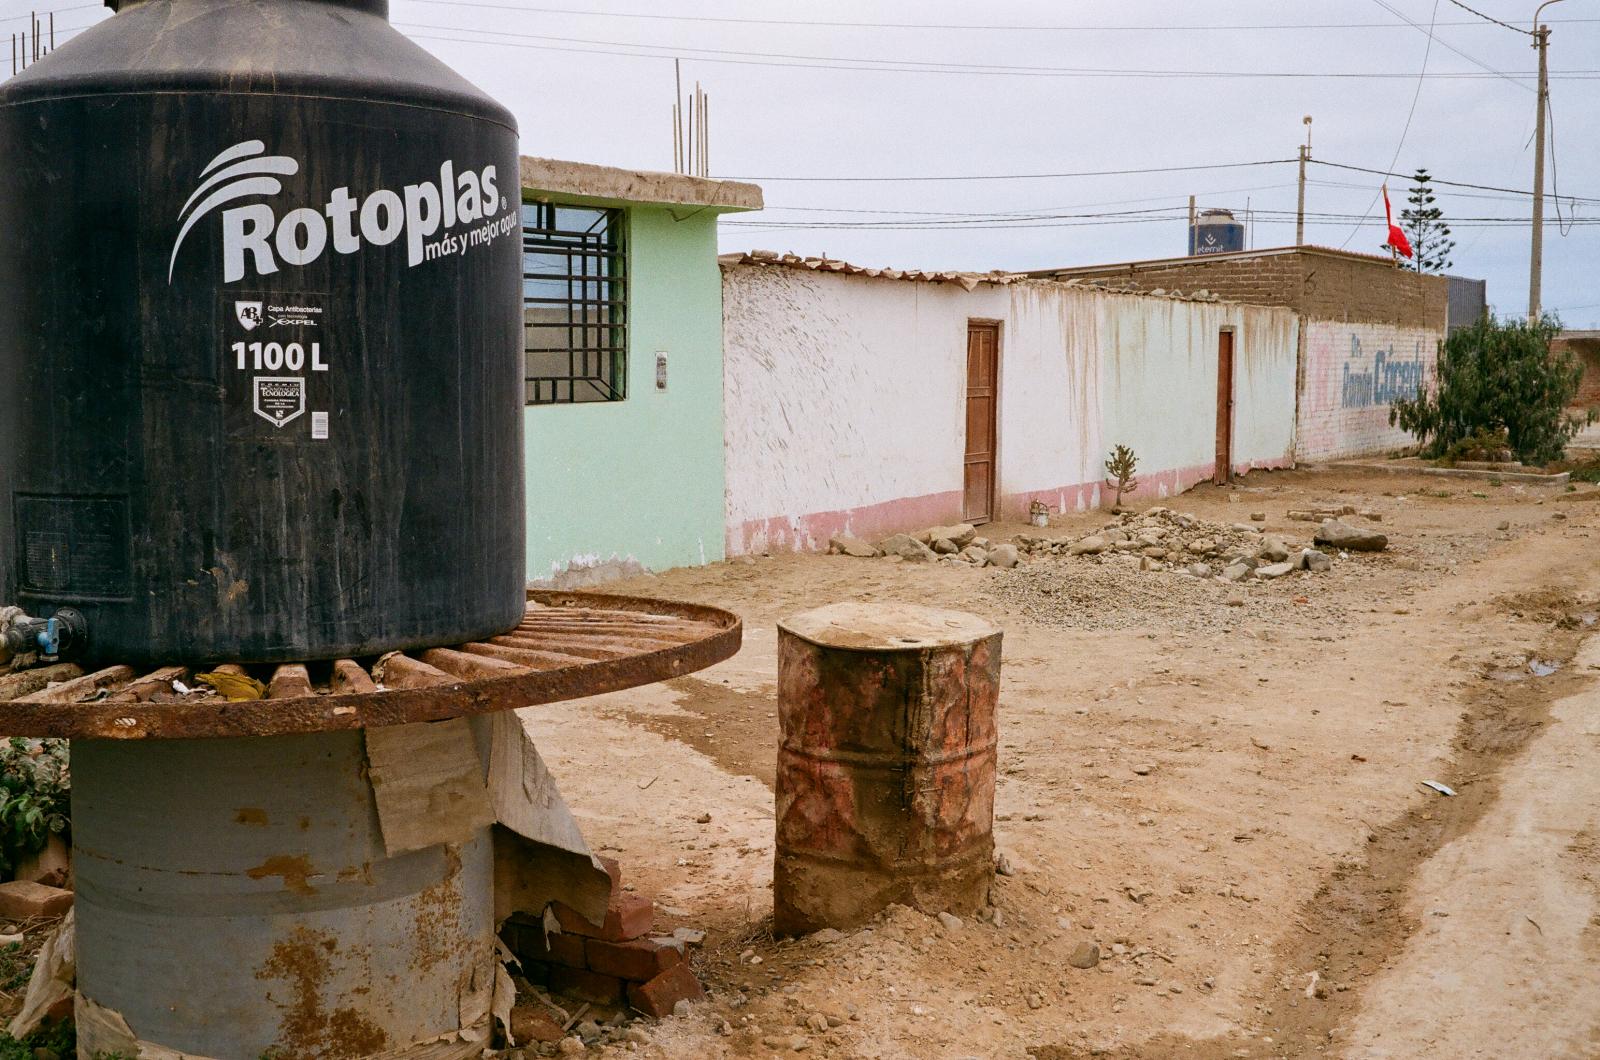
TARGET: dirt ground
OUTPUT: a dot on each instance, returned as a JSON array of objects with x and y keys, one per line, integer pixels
[{"x": 1227, "y": 799}]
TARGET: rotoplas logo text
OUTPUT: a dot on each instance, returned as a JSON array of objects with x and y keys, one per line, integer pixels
[{"x": 253, "y": 234}]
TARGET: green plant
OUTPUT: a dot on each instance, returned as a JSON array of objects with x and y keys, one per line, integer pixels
[
  {"x": 1120, "y": 467},
  {"x": 35, "y": 798},
  {"x": 60, "y": 1039},
  {"x": 1424, "y": 226},
  {"x": 1491, "y": 446},
  {"x": 1498, "y": 375}
]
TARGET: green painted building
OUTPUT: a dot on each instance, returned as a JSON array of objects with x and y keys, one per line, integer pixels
[{"x": 623, "y": 328}]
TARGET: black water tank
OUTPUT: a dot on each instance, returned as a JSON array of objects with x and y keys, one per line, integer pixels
[{"x": 260, "y": 337}]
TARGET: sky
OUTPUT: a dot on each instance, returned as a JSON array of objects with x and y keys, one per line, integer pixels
[{"x": 829, "y": 89}]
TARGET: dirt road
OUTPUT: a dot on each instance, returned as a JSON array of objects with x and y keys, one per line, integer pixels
[{"x": 1226, "y": 798}]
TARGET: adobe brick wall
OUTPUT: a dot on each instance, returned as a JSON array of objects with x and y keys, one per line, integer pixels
[
  {"x": 1321, "y": 284},
  {"x": 1587, "y": 350}
]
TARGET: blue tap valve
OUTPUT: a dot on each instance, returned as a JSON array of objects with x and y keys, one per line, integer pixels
[{"x": 50, "y": 638}]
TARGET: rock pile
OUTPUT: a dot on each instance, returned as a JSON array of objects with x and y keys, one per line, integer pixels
[
  {"x": 1159, "y": 538},
  {"x": 958, "y": 543},
  {"x": 1163, "y": 539}
]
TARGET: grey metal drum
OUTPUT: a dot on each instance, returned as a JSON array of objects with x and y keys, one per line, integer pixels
[{"x": 213, "y": 873}]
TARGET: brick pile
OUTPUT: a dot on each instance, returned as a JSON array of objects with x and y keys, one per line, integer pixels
[{"x": 613, "y": 963}]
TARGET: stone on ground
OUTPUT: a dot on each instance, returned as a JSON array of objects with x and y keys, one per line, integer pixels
[
  {"x": 1092, "y": 545},
  {"x": 906, "y": 547},
  {"x": 1238, "y": 572},
  {"x": 1084, "y": 955},
  {"x": 961, "y": 534},
  {"x": 1316, "y": 562},
  {"x": 845, "y": 545},
  {"x": 1273, "y": 550},
  {"x": 1003, "y": 556},
  {"x": 1338, "y": 534}
]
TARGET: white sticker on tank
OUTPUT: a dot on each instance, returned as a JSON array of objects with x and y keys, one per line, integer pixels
[
  {"x": 319, "y": 426},
  {"x": 279, "y": 399}
]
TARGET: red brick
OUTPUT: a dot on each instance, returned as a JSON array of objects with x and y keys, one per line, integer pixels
[
  {"x": 51, "y": 866},
  {"x": 613, "y": 869},
  {"x": 565, "y": 949},
  {"x": 629, "y": 917},
  {"x": 21, "y": 899},
  {"x": 530, "y": 943},
  {"x": 656, "y": 998},
  {"x": 585, "y": 985},
  {"x": 531, "y": 1023},
  {"x": 639, "y": 960}
]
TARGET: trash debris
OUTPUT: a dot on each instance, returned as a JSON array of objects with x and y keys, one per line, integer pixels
[
  {"x": 52, "y": 981},
  {"x": 1442, "y": 789},
  {"x": 237, "y": 688}
]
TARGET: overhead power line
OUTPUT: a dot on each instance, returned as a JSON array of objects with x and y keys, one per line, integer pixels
[
  {"x": 1450, "y": 183},
  {"x": 1024, "y": 176},
  {"x": 1288, "y": 219},
  {"x": 1171, "y": 212},
  {"x": 779, "y": 60},
  {"x": 1473, "y": 59},
  {"x": 920, "y": 178},
  {"x": 960, "y": 26},
  {"x": 1405, "y": 129},
  {"x": 46, "y": 14},
  {"x": 1490, "y": 18},
  {"x": 933, "y": 214}
]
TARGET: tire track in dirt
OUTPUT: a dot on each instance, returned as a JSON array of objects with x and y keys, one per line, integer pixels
[{"x": 1356, "y": 922}]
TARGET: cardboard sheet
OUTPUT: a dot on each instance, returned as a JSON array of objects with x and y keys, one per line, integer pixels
[
  {"x": 539, "y": 853},
  {"x": 427, "y": 780}
]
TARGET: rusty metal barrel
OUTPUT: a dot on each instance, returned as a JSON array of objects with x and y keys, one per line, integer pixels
[{"x": 886, "y": 769}]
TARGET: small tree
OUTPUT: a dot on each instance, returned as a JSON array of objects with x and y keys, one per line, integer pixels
[
  {"x": 1424, "y": 226},
  {"x": 1120, "y": 466},
  {"x": 1498, "y": 375}
]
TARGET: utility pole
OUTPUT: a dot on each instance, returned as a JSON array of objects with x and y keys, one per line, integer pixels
[
  {"x": 1541, "y": 44},
  {"x": 1300, "y": 213},
  {"x": 1191, "y": 226}
]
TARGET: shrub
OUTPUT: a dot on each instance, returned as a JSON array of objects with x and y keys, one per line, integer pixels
[
  {"x": 35, "y": 798},
  {"x": 1121, "y": 466},
  {"x": 1494, "y": 376}
]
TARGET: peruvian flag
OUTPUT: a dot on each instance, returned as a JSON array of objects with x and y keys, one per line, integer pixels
[{"x": 1397, "y": 238}]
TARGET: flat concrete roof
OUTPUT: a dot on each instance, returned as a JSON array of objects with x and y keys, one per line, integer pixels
[{"x": 590, "y": 185}]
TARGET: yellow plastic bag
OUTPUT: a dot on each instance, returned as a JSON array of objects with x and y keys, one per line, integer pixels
[{"x": 237, "y": 687}]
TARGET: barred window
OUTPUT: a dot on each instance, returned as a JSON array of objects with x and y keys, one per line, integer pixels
[{"x": 574, "y": 294}]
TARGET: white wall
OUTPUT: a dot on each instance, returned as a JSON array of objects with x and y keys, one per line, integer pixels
[
  {"x": 1159, "y": 384},
  {"x": 1353, "y": 374},
  {"x": 845, "y": 397}
]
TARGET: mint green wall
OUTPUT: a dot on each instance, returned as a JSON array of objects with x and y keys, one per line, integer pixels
[{"x": 641, "y": 478}]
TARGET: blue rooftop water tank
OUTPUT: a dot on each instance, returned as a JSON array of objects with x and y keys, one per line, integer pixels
[{"x": 1216, "y": 232}]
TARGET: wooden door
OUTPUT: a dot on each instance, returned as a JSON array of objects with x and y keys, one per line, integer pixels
[
  {"x": 983, "y": 375},
  {"x": 1224, "y": 468}
]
